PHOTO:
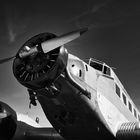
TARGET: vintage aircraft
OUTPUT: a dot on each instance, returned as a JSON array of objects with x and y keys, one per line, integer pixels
[{"x": 81, "y": 100}]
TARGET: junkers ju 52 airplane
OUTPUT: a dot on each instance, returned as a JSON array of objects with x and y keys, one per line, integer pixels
[{"x": 81, "y": 100}]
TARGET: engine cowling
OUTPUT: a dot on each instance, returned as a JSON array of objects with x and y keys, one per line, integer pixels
[
  {"x": 38, "y": 70},
  {"x": 8, "y": 122}
]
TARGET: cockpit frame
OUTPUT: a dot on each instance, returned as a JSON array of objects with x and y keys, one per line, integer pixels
[{"x": 100, "y": 66}]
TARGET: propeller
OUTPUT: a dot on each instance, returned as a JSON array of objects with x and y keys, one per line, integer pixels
[
  {"x": 48, "y": 45},
  {"x": 61, "y": 40},
  {"x": 6, "y": 59},
  {"x": 53, "y": 43}
]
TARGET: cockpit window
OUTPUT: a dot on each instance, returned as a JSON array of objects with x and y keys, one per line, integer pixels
[
  {"x": 96, "y": 65},
  {"x": 106, "y": 70}
]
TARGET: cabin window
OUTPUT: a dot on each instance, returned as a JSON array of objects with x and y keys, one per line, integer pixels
[
  {"x": 76, "y": 71},
  {"x": 139, "y": 117},
  {"x": 124, "y": 99},
  {"x": 106, "y": 70},
  {"x": 117, "y": 90},
  {"x": 130, "y": 106},
  {"x": 80, "y": 73},
  {"x": 1, "y": 108},
  {"x": 86, "y": 67},
  {"x": 97, "y": 66},
  {"x": 135, "y": 113}
]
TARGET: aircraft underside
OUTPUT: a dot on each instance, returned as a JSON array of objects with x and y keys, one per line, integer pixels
[{"x": 70, "y": 115}]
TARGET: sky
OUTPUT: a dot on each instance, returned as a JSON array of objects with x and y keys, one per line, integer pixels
[{"x": 113, "y": 37}]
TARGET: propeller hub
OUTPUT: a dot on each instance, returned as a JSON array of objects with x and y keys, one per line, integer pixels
[{"x": 33, "y": 45}]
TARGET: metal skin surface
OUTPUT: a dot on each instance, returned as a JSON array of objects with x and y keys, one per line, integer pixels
[
  {"x": 61, "y": 84},
  {"x": 80, "y": 100},
  {"x": 73, "y": 113},
  {"x": 66, "y": 103}
]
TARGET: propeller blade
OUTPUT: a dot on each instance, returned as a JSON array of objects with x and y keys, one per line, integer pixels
[
  {"x": 6, "y": 59},
  {"x": 61, "y": 40}
]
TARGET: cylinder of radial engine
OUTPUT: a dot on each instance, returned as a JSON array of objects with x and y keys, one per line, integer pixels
[{"x": 129, "y": 131}]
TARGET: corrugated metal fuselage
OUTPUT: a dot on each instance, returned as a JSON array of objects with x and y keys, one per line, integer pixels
[
  {"x": 75, "y": 113},
  {"x": 87, "y": 106}
]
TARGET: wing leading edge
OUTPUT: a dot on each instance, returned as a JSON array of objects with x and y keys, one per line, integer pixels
[{"x": 12, "y": 129}]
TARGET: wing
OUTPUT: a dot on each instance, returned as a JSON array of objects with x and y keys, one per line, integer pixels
[
  {"x": 129, "y": 131},
  {"x": 26, "y": 132},
  {"x": 12, "y": 129}
]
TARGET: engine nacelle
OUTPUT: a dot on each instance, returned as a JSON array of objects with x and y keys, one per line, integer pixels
[
  {"x": 8, "y": 122},
  {"x": 39, "y": 70}
]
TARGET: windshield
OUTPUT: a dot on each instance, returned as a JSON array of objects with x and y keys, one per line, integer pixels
[{"x": 96, "y": 65}]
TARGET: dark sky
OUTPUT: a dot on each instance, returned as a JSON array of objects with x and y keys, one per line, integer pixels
[{"x": 113, "y": 38}]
